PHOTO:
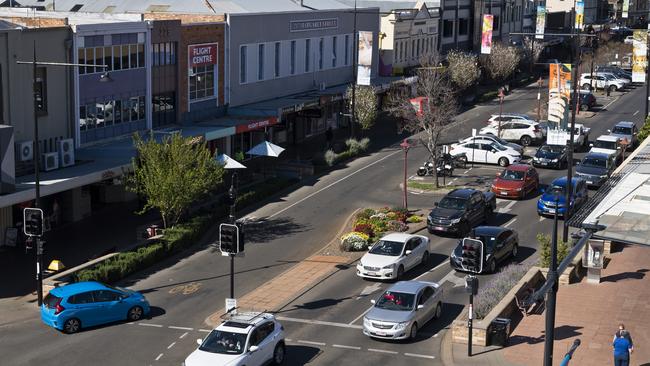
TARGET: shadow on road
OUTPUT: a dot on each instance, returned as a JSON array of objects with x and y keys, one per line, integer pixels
[
  {"x": 300, "y": 355},
  {"x": 319, "y": 304},
  {"x": 264, "y": 230},
  {"x": 524, "y": 253}
]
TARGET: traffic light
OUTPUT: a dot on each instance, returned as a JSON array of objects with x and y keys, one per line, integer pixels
[
  {"x": 229, "y": 238},
  {"x": 33, "y": 221},
  {"x": 472, "y": 255}
]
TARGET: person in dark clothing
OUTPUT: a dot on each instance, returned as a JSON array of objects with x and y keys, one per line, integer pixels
[
  {"x": 622, "y": 350},
  {"x": 329, "y": 136}
]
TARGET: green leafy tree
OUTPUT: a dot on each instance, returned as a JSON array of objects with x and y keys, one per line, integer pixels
[
  {"x": 544, "y": 241},
  {"x": 172, "y": 174},
  {"x": 366, "y": 105}
]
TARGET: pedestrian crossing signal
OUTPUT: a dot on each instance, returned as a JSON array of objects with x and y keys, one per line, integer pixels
[{"x": 33, "y": 222}]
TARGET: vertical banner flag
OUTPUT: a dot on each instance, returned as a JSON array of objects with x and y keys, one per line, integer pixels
[
  {"x": 561, "y": 73},
  {"x": 639, "y": 56},
  {"x": 541, "y": 22},
  {"x": 486, "y": 34},
  {"x": 365, "y": 58},
  {"x": 626, "y": 7},
  {"x": 580, "y": 14}
]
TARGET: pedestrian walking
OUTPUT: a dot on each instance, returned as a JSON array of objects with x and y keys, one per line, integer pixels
[
  {"x": 329, "y": 136},
  {"x": 626, "y": 334},
  {"x": 622, "y": 350}
]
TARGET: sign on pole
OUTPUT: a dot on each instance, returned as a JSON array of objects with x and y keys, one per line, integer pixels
[
  {"x": 231, "y": 304},
  {"x": 626, "y": 7},
  {"x": 365, "y": 58},
  {"x": 540, "y": 22},
  {"x": 486, "y": 34},
  {"x": 580, "y": 14},
  {"x": 639, "y": 57}
]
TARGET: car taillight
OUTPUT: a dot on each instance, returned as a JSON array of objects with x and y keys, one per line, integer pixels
[{"x": 58, "y": 308}]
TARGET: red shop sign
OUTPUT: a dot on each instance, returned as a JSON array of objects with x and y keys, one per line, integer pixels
[
  {"x": 256, "y": 125},
  {"x": 202, "y": 54}
]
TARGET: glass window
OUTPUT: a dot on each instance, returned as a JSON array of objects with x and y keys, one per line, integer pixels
[
  {"x": 412, "y": 48},
  {"x": 133, "y": 51},
  {"x": 117, "y": 58},
  {"x": 125, "y": 110},
  {"x": 447, "y": 28},
  {"x": 140, "y": 55},
  {"x": 90, "y": 59},
  {"x": 334, "y": 51},
  {"x": 141, "y": 108},
  {"x": 154, "y": 53},
  {"x": 133, "y": 108},
  {"x": 347, "y": 49},
  {"x": 105, "y": 296},
  {"x": 277, "y": 59},
  {"x": 173, "y": 53},
  {"x": 82, "y": 298},
  {"x": 108, "y": 58},
  {"x": 260, "y": 62},
  {"x": 320, "y": 54},
  {"x": 293, "y": 57},
  {"x": 108, "y": 113},
  {"x": 495, "y": 24},
  {"x": 91, "y": 116},
  {"x": 125, "y": 57},
  {"x": 307, "y": 52},
  {"x": 99, "y": 58},
  {"x": 82, "y": 118},
  {"x": 81, "y": 58},
  {"x": 242, "y": 64},
  {"x": 202, "y": 82},
  {"x": 117, "y": 112},
  {"x": 417, "y": 53}
]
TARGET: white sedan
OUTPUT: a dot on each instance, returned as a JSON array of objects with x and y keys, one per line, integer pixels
[
  {"x": 480, "y": 152},
  {"x": 393, "y": 255}
]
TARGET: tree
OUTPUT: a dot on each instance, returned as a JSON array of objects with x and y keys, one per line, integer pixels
[
  {"x": 439, "y": 107},
  {"x": 366, "y": 105},
  {"x": 531, "y": 51},
  {"x": 172, "y": 174},
  {"x": 463, "y": 68},
  {"x": 501, "y": 62}
]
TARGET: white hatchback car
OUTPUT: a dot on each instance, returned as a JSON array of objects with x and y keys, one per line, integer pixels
[
  {"x": 486, "y": 153},
  {"x": 393, "y": 255},
  {"x": 523, "y": 132},
  {"x": 250, "y": 339}
]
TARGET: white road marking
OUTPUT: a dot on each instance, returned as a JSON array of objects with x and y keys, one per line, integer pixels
[
  {"x": 369, "y": 289},
  {"x": 467, "y": 171},
  {"x": 510, "y": 222},
  {"x": 171, "y": 345},
  {"x": 334, "y": 183},
  {"x": 420, "y": 356},
  {"x": 382, "y": 351},
  {"x": 288, "y": 339},
  {"x": 346, "y": 347},
  {"x": 431, "y": 270},
  {"x": 435, "y": 335},
  {"x": 312, "y": 343},
  {"x": 610, "y": 103},
  {"x": 635, "y": 113},
  {"x": 159, "y": 356},
  {"x": 183, "y": 335},
  {"x": 150, "y": 325},
  {"x": 542, "y": 218},
  {"x": 205, "y": 330},
  {"x": 362, "y": 314},
  {"x": 507, "y": 207},
  {"x": 319, "y": 322},
  {"x": 179, "y": 328}
]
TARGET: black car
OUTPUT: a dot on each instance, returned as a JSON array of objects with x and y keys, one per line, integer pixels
[
  {"x": 499, "y": 243},
  {"x": 587, "y": 100},
  {"x": 460, "y": 210},
  {"x": 595, "y": 168},
  {"x": 550, "y": 156}
]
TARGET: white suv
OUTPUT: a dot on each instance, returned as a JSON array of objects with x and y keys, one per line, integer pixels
[
  {"x": 507, "y": 117},
  {"x": 523, "y": 132},
  {"x": 600, "y": 82},
  {"x": 612, "y": 76},
  {"x": 249, "y": 338}
]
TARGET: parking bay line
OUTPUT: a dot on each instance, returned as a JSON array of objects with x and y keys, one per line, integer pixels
[
  {"x": 510, "y": 222},
  {"x": 171, "y": 345},
  {"x": 312, "y": 343},
  {"x": 419, "y": 355},
  {"x": 382, "y": 351},
  {"x": 150, "y": 325},
  {"x": 346, "y": 347},
  {"x": 159, "y": 356},
  {"x": 319, "y": 322},
  {"x": 179, "y": 328}
]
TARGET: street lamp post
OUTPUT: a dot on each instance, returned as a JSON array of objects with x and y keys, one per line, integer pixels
[
  {"x": 37, "y": 182},
  {"x": 647, "y": 74},
  {"x": 232, "y": 194},
  {"x": 549, "y": 336},
  {"x": 501, "y": 96},
  {"x": 405, "y": 147},
  {"x": 355, "y": 43},
  {"x": 540, "y": 82}
]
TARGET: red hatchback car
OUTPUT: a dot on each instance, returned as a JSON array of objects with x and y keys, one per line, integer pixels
[{"x": 516, "y": 181}]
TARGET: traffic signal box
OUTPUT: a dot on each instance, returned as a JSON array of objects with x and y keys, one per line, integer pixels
[
  {"x": 231, "y": 238},
  {"x": 472, "y": 255},
  {"x": 33, "y": 221}
]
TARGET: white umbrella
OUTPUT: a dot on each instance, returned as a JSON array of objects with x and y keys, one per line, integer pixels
[
  {"x": 265, "y": 149},
  {"x": 228, "y": 162}
]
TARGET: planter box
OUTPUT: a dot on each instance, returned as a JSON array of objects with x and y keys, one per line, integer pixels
[
  {"x": 572, "y": 274},
  {"x": 503, "y": 309}
]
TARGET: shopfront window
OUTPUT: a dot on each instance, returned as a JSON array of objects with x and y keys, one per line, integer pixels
[
  {"x": 202, "y": 82},
  {"x": 164, "y": 109}
]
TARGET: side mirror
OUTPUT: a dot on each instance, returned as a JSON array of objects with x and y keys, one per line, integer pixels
[
  {"x": 373, "y": 301},
  {"x": 494, "y": 150},
  {"x": 498, "y": 174},
  {"x": 369, "y": 247},
  {"x": 408, "y": 252},
  {"x": 420, "y": 307},
  {"x": 542, "y": 189},
  {"x": 252, "y": 349},
  {"x": 199, "y": 341}
]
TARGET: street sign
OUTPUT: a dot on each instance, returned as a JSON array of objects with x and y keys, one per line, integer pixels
[
  {"x": 231, "y": 304},
  {"x": 33, "y": 221}
]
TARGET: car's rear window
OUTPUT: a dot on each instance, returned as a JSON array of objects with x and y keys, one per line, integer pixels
[{"x": 50, "y": 301}]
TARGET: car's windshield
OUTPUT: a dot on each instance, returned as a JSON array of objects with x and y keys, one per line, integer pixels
[
  {"x": 622, "y": 130},
  {"x": 499, "y": 147},
  {"x": 224, "y": 342},
  {"x": 556, "y": 190},
  {"x": 384, "y": 247},
  {"x": 594, "y": 162},
  {"x": 512, "y": 175},
  {"x": 551, "y": 148},
  {"x": 453, "y": 203},
  {"x": 500, "y": 140},
  {"x": 396, "y": 301},
  {"x": 610, "y": 145}
]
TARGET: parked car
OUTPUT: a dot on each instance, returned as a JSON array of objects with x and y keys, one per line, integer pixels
[
  {"x": 629, "y": 40},
  {"x": 595, "y": 168},
  {"x": 393, "y": 255},
  {"x": 609, "y": 145},
  {"x": 550, "y": 156},
  {"x": 403, "y": 309},
  {"x": 616, "y": 70},
  {"x": 499, "y": 243},
  {"x": 524, "y": 132},
  {"x": 489, "y": 139},
  {"x": 624, "y": 80},
  {"x": 600, "y": 82},
  {"x": 516, "y": 181},
  {"x": 491, "y": 153},
  {"x": 579, "y": 195},
  {"x": 628, "y": 133},
  {"x": 587, "y": 100},
  {"x": 248, "y": 338},
  {"x": 85, "y": 304},
  {"x": 508, "y": 117},
  {"x": 460, "y": 210}
]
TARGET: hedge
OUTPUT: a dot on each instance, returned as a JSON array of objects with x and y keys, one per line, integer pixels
[
  {"x": 176, "y": 238},
  {"x": 644, "y": 131}
]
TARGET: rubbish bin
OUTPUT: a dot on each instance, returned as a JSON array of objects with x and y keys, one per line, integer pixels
[{"x": 499, "y": 332}]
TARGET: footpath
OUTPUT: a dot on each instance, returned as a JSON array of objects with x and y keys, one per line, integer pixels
[{"x": 585, "y": 311}]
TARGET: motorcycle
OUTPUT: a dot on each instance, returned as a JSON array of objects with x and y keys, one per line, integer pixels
[{"x": 444, "y": 167}]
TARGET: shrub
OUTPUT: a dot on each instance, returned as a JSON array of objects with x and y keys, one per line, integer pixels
[
  {"x": 364, "y": 228},
  {"x": 400, "y": 213},
  {"x": 395, "y": 225},
  {"x": 494, "y": 291},
  {"x": 364, "y": 144},
  {"x": 365, "y": 213},
  {"x": 330, "y": 157},
  {"x": 414, "y": 219},
  {"x": 354, "y": 241},
  {"x": 544, "y": 241},
  {"x": 353, "y": 146},
  {"x": 645, "y": 130}
]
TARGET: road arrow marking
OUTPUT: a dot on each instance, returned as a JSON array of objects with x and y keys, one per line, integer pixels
[{"x": 507, "y": 208}]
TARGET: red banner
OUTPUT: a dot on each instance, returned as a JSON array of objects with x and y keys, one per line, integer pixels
[
  {"x": 256, "y": 125},
  {"x": 202, "y": 54}
]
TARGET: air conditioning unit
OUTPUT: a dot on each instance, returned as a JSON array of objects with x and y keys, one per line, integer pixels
[
  {"x": 66, "y": 152},
  {"x": 50, "y": 161},
  {"x": 322, "y": 86},
  {"x": 25, "y": 150}
]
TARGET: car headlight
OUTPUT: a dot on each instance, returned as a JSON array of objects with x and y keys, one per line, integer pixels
[
  {"x": 390, "y": 266},
  {"x": 494, "y": 187},
  {"x": 554, "y": 160},
  {"x": 535, "y": 158},
  {"x": 366, "y": 322},
  {"x": 455, "y": 221},
  {"x": 603, "y": 176},
  {"x": 359, "y": 265},
  {"x": 453, "y": 255},
  {"x": 518, "y": 189},
  {"x": 402, "y": 325}
]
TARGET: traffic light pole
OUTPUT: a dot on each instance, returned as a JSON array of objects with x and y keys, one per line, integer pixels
[
  {"x": 469, "y": 325},
  {"x": 549, "y": 336},
  {"x": 233, "y": 197},
  {"x": 569, "y": 171},
  {"x": 37, "y": 186}
]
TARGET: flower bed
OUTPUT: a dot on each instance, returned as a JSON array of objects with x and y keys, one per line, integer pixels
[
  {"x": 495, "y": 290},
  {"x": 370, "y": 224}
]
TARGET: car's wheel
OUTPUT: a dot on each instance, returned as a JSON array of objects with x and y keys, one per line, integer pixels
[
  {"x": 135, "y": 313},
  {"x": 278, "y": 354},
  {"x": 425, "y": 258},
  {"x": 72, "y": 325},
  {"x": 586, "y": 86},
  {"x": 414, "y": 331},
  {"x": 492, "y": 266},
  {"x": 515, "y": 249},
  {"x": 504, "y": 162},
  {"x": 584, "y": 107},
  {"x": 525, "y": 140},
  {"x": 463, "y": 161},
  {"x": 612, "y": 88},
  {"x": 400, "y": 273},
  {"x": 421, "y": 172},
  {"x": 438, "y": 312}
]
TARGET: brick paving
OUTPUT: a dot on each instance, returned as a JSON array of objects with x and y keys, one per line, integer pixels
[{"x": 591, "y": 312}]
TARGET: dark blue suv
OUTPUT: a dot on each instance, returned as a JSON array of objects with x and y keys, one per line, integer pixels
[{"x": 579, "y": 194}]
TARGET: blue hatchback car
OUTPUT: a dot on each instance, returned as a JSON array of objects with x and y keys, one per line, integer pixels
[
  {"x": 579, "y": 195},
  {"x": 86, "y": 304}
]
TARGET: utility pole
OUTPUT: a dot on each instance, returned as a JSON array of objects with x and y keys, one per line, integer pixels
[
  {"x": 647, "y": 73},
  {"x": 549, "y": 334},
  {"x": 355, "y": 43}
]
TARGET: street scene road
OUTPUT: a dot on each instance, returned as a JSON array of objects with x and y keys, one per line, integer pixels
[{"x": 323, "y": 325}]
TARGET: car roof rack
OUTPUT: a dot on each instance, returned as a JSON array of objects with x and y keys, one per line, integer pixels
[{"x": 248, "y": 317}]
